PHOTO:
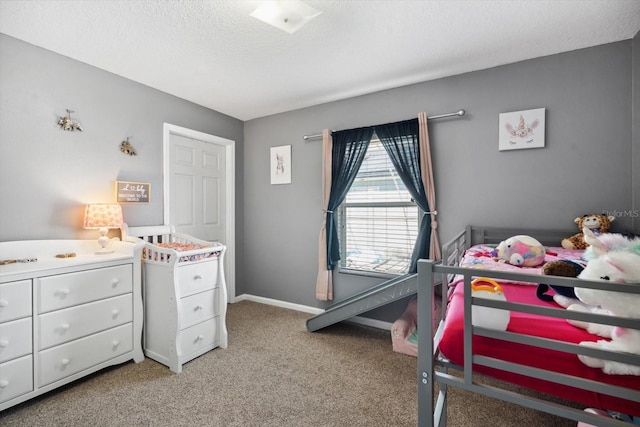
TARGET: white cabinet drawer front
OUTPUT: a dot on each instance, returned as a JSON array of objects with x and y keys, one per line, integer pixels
[
  {"x": 199, "y": 337},
  {"x": 15, "y": 300},
  {"x": 199, "y": 307},
  {"x": 69, "y": 324},
  {"x": 67, "y": 290},
  {"x": 68, "y": 359},
  {"x": 15, "y": 339},
  {"x": 16, "y": 378},
  {"x": 194, "y": 278}
]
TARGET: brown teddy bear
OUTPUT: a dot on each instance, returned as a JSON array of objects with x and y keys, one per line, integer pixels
[
  {"x": 597, "y": 223},
  {"x": 561, "y": 267}
]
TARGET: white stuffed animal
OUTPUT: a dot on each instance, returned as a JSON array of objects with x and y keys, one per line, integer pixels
[
  {"x": 621, "y": 265},
  {"x": 598, "y": 246}
]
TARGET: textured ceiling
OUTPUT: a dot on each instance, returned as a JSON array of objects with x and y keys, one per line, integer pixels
[{"x": 214, "y": 54}]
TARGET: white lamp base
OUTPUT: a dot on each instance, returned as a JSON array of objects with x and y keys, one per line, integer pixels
[{"x": 103, "y": 241}]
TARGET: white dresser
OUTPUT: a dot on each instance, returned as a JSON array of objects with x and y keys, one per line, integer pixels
[
  {"x": 64, "y": 318},
  {"x": 185, "y": 297}
]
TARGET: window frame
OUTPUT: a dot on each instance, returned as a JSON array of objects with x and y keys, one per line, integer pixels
[{"x": 342, "y": 228}]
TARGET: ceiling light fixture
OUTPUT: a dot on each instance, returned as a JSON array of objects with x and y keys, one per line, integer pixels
[{"x": 287, "y": 15}]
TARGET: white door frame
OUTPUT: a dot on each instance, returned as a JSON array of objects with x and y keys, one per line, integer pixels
[{"x": 230, "y": 205}]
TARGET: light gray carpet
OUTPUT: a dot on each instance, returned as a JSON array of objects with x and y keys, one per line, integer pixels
[{"x": 273, "y": 373}]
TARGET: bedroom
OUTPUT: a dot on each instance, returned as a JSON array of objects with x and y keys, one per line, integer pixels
[{"x": 591, "y": 97}]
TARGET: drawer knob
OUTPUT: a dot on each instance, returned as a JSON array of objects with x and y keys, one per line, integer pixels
[
  {"x": 4, "y": 303},
  {"x": 4, "y": 343},
  {"x": 115, "y": 282},
  {"x": 4, "y": 383},
  {"x": 199, "y": 307},
  {"x": 65, "y": 326},
  {"x": 65, "y": 361},
  {"x": 65, "y": 291},
  {"x": 197, "y": 276},
  {"x": 200, "y": 338},
  {"x": 115, "y": 343}
]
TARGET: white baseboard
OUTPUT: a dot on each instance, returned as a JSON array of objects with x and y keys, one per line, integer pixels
[
  {"x": 311, "y": 310},
  {"x": 278, "y": 303}
]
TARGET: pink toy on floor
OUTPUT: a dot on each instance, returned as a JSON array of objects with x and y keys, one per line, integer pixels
[
  {"x": 403, "y": 328},
  {"x": 599, "y": 412},
  {"x": 606, "y": 414},
  {"x": 403, "y": 331}
]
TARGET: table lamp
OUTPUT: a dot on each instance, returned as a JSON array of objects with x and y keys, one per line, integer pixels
[{"x": 103, "y": 216}]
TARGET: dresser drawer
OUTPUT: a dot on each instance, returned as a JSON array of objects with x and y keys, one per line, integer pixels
[
  {"x": 15, "y": 300},
  {"x": 199, "y": 338},
  {"x": 67, "y": 359},
  {"x": 61, "y": 326},
  {"x": 198, "y": 308},
  {"x": 67, "y": 290},
  {"x": 198, "y": 277},
  {"x": 15, "y": 339},
  {"x": 16, "y": 378}
]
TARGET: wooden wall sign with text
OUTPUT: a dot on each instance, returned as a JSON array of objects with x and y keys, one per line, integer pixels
[{"x": 133, "y": 192}]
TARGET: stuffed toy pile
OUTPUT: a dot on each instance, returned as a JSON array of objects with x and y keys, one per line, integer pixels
[
  {"x": 597, "y": 223},
  {"x": 614, "y": 258}
]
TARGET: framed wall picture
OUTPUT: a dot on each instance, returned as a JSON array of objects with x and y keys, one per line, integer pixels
[
  {"x": 280, "y": 161},
  {"x": 133, "y": 192},
  {"x": 521, "y": 129}
]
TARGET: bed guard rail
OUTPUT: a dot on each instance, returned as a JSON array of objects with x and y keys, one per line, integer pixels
[{"x": 432, "y": 368}]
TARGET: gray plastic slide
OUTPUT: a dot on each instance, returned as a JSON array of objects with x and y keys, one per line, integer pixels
[{"x": 379, "y": 295}]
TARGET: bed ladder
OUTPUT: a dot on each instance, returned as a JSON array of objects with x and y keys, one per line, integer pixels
[{"x": 379, "y": 295}]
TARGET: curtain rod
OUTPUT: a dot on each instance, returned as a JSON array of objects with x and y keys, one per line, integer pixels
[{"x": 439, "y": 116}]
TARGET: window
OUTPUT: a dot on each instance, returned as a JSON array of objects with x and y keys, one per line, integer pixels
[{"x": 378, "y": 221}]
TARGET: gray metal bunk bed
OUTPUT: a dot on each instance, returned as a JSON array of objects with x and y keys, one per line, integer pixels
[{"x": 434, "y": 368}]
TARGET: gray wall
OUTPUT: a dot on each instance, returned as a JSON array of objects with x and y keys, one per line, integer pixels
[
  {"x": 47, "y": 175},
  {"x": 585, "y": 167},
  {"x": 635, "y": 115}
]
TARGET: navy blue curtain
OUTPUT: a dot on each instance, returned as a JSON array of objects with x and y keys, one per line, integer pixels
[
  {"x": 401, "y": 142},
  {"x": 349, "y": 148}
]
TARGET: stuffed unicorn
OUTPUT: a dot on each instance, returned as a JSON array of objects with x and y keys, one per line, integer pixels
[{"x": 620, "y": 263}]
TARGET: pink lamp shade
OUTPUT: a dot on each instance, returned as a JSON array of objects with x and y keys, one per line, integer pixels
[
  {"x": 103, "y": 216},
  {"x": 107, "y": 215}
]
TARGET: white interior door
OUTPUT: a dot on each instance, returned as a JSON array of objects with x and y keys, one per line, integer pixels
[
  {"x": 199, "y": 191},
  {"x": 197, "y": 188}
]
